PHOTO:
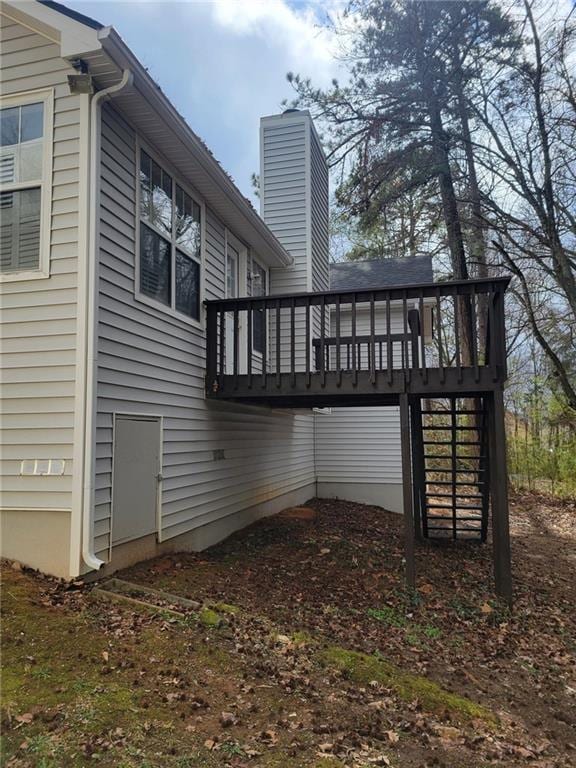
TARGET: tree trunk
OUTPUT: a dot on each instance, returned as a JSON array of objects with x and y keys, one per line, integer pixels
[
  {"x": 476, "y": 234},
  {"x": 443, "y": 172}
]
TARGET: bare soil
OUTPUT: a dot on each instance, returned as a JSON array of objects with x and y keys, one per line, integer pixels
[{"x": 317, "y": 655}]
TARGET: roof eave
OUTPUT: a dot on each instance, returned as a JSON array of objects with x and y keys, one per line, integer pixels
[{"x": 115, "y": 47}]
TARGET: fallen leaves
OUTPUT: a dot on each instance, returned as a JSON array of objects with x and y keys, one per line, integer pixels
[
  {"x": 24, "y": 719},
  {"x": 303, "y": 582}
]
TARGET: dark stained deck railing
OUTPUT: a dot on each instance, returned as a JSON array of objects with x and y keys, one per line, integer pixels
[{"x": 328, "y": 347}]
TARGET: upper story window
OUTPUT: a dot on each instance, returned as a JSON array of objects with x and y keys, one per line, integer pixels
[
  {"x": 25, "y": 150},
  {"x": 170, "y": 240}
]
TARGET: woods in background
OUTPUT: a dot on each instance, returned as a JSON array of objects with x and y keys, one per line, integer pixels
[{"x": 455, "y": 134}]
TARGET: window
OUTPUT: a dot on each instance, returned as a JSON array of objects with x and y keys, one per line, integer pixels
[
  {"x": 24, "y": 182},
  {"x": 170, "y": 241},
  {"x": 232, "y": 259},
  {"x": 258, "y": 286}
]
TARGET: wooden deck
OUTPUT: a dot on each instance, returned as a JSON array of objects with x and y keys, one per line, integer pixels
[
  {"x": 401, "y": 346},
  {"x": 311, "y": 352}
]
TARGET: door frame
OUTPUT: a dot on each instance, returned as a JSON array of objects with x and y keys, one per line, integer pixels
[
  {"x": 242, "y": 287},
  {"x": 138, "y": 416}
]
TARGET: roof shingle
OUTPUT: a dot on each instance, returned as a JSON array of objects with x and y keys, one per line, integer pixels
[{"x": 347, "y": 275}]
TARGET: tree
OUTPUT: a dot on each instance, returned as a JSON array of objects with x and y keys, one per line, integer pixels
[
  {"x": 475, "y": 108},
  {"x": 396, "y": 226},
  {"x": 396, "y": 123},
  {"x": 526, "y": 148}
]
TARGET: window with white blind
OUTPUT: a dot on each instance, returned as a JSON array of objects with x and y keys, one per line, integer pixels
[
  {"x": 25, "y": 169},
  {"x": 170, "y": 257}
]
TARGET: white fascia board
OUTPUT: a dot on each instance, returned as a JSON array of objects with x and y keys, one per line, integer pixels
[{"x": 74, "y": 38}]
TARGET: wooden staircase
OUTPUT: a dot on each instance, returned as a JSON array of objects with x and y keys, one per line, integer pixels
[{"x": 450, "y": 460}]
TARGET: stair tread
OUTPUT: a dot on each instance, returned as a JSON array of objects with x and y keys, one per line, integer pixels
[
  {"x": 463, "y": 412},
  {"x": 436, "y": 518},
  {"x": 444, "y": 506},
  {"x": 449, "y": 482},
  {"x": 445, "y": 427},
  {"x": 453, "y": 458},
  {"x": 451, "y": 495},
  {"x": 451, "y": 442}
]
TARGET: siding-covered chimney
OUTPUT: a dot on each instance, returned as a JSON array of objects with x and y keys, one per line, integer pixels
[
  {"x": 294, "y": 198},
  {"x": 294, "y": 204}
]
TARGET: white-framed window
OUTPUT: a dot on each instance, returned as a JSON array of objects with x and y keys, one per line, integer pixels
[
  {"x": 170, "y": 241},
  {"x": 26, "y": 122}
]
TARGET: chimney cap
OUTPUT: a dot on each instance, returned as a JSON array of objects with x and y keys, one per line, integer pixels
[{"x": 290, "y": 111}]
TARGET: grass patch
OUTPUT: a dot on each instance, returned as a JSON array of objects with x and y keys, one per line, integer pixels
[
  {"x": 210, "y": 618},
  {"x": 232, "y": 610},
  {"x": 362, "y": 668},
  {"x": 387, "y": 615}
]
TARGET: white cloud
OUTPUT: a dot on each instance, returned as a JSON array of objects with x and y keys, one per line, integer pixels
[{"x": 299, "y": 31}]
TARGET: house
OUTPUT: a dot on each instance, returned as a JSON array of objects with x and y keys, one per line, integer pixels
[{"x": 176, "y": 365}]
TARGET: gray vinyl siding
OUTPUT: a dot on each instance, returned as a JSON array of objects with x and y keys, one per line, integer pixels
[
  {"x": 284, "y": 192},
  {"x": 294, "y": 201},
  {"x": 358, "y": 445},
  {"x": 361, "y": 445},
  {"x": 363, "y": 328},
  {"x": 38, "y": 317},
  {"x": 151, "y": 362},
  {"x": 284, "y": 184}
]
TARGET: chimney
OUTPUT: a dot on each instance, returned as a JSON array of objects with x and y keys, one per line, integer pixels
[{"x": 294, "y": 199}]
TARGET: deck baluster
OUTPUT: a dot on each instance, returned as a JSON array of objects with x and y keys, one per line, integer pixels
[
  {"x": 407, "y": 365},
  {"x": 353, "y": 342},
  {"x": 439, "y": 336},
  {"x": 474, "y": 324},
  {"x": 222, "y": 349},
  {"x": 307, "y": 332},
  {"x": 236, "y": 344},
  {"x": 457, "y": 337},
  {"x": 338, "y": 366},
  {"x": 293, "y": 342},
  {"x": 322, "y": 341},
  {"x": 264, "y": 342},
  {"x": 389, "y": 350},
  {"x": 423, "y": 366},
  {"x": 249, "y": 342},
  {"x": 372, "y": 347}
]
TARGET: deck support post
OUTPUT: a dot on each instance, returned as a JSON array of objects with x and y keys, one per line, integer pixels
[
  {"x": 407, "y": 491},
  {"x": 499, "y": 495},
  {"x": 418, "y": 473}
]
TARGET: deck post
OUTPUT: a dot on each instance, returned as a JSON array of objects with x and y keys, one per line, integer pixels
[
  {"x": 211, "y": 349},
  {"x": 499, "y": 494},
  {"x": 418, "y": 474},
  {"x": 407, "y": 491}
]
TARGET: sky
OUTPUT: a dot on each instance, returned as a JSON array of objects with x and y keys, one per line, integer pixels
[{"x": 223, "y": 63}]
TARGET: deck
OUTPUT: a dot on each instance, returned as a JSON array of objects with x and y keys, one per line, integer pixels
[
  {"x": 357, "y": 347},
  {"x": 401, "y": 346}
]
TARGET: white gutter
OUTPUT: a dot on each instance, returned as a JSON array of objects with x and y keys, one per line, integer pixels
[{"x": 91, "y": 304}]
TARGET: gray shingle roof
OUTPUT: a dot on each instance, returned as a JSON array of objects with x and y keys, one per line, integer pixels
[{"x": 380, "y": 274}]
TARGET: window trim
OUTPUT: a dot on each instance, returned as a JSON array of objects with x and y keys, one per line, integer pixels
[
  {"x": 140, "y": 297},
  {"x": 46, "y": 96}
]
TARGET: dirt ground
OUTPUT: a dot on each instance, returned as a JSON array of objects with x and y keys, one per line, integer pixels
[{"x": 305, "y": 650}]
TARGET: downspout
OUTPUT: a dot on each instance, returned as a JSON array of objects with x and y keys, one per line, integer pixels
[{"x": 91, "y": 299}]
